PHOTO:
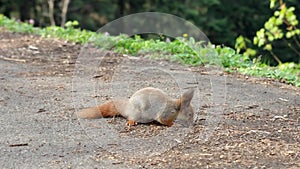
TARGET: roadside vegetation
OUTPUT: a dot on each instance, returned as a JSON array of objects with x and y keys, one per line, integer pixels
[{"x": 184, "y": 49}]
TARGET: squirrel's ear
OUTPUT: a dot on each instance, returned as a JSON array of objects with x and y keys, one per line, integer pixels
[{"x": 186, "y": 98}]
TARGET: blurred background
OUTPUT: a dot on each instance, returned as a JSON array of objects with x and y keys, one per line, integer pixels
[{"x": 221, "y": 20}]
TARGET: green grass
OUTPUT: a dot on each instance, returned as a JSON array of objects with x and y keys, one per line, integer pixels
[{"x": 185, "y": 50}]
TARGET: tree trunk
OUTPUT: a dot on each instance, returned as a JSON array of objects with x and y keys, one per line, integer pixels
[
  {"x": 64, "y": 12},
  {"x": 51, "y": 12}
]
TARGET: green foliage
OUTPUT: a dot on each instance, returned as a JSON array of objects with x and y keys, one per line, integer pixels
[
  {"x": 231, "y": 59},
  {"x": 273, "y": 27},
  {"x": 69, "y": 33},
  {"x": 282, "y": 27},
  {"x": 175, "y": 50},
  {"x": 16, "y": 26},
  {"x": 286, "y": 72},
  {"x": 72, "y": 24},
  {"x": 183, "y": 49},
  {"x": 221, "y": 20},
  {"x": 241, "y": 44}
]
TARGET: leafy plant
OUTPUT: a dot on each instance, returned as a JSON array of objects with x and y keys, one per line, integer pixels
[
  {"x": 16, "y": 26},
  {"x": 183, "y": 49},
  {"x": 287, "y": 72},
  {"x": 282, "y": 26}
]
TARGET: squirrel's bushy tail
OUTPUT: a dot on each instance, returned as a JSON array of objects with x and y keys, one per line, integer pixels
[
  {"x": 104, "y": 110},
  {"x": 108, "y": 109}
]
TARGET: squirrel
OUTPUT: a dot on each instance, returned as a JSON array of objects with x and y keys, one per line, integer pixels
[{"x": 144, "y": 106}]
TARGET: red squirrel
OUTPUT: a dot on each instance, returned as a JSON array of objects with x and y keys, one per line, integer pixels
[{"x": 144, "y": 106}]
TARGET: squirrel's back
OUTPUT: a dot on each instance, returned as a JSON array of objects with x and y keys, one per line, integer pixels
[{"x": 149, "y": 104}]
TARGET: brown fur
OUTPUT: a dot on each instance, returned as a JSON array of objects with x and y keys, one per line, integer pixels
[
  {"x": 108, "y": 109},
  {"x": 131, "y": 108},
  {"x": 167, "y": 122},
  {"x": 104, "y": 110},
  {"x": 131, "y": 123},
  {"x": 178, "y": 103}
]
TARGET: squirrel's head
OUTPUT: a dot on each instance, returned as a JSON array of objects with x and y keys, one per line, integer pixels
[{"x": 186, "y": 111}]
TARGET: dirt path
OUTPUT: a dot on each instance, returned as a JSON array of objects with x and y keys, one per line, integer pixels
[{"x": 259, "y": 128}]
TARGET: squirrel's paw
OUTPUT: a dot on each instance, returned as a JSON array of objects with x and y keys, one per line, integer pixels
[
  {"x": 111, "y": 120},
  {"x": 131, "y": 123},
  {"x": 167, "y": 122}
]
